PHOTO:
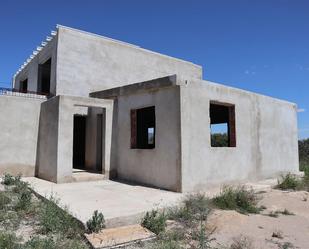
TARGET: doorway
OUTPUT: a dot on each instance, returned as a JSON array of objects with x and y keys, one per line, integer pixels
[{"x": 79, "y": 141}]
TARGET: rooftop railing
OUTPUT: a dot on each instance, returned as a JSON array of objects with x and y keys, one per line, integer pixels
[{"x": 19, "y": 93}]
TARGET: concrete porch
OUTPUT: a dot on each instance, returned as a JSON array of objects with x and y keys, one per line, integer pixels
[{"x": 121, "y": 204}]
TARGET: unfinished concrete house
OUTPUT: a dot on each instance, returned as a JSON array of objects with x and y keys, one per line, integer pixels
[{"x": 83, "y": 102}]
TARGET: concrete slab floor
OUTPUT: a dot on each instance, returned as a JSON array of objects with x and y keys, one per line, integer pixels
[{"x": 121, "y": 204}]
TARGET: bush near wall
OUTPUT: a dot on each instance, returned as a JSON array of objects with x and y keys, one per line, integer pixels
[{"x": 303, "y": 150}]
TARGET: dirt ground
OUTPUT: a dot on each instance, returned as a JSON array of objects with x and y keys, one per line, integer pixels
[{"x": 261, "y": 229}]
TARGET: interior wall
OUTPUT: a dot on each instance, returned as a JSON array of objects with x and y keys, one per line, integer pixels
[
  {"x": 92, "y": 138},
  {"x": 266, "y": 137}
]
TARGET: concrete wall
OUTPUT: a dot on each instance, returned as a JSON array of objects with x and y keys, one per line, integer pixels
[
  {"x": 46, "y": 166},
  {"x": 266, "y": 137},
  {"x": 55, "y": 154},
  {"x": 88, "y": 62},
  {"x": 159, "y": 167},
  {"x": 19, "y": 122},
  {"x": 30, "y": 71}
]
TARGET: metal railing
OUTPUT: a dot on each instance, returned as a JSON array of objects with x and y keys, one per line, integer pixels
[{"x": 19, "y": 93}]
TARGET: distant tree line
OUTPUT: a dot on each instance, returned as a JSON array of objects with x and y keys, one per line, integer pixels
[
  {"x": 219, "y": 140},
  {"x": 303, "y": 151}
]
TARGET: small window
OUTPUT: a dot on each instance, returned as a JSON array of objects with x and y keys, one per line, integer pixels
[
  {"x": 23, "y": 86},
  {"x": 143, "y": 128},
  {"x": 222, "y": 125},
  {"x": 44, "y": 74}
]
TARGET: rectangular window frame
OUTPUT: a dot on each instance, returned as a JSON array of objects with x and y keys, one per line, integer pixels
[
  {"x": 140, "y": 138},
  {"x": 231, "y": 123}
]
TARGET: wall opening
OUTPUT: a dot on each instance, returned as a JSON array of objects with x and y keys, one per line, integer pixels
[
  {"x": 44, "y": 73},
  {"x": 222, "y": 125},
  {"x": 79, "y": 141},
  {"x": 143, "y": 128},
  {"x": 23, "y": 86},
  {"x": 99, "y": 142}
]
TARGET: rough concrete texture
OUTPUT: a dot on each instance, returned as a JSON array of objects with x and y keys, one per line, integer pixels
[
  {"x": 266, "y": 135},
  {"x": 56, "y": 136},
  {"x": 121, "y": 204},
  {"x": 120, "y": 236},
  {"x": 160, "y": 166},
  {"x": 19, "y": 124},
  {"x": 87, "y": 62}
]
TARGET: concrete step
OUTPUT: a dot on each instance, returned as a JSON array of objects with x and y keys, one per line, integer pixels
[
  {"x": 86, "y": 176},
  {"x": 119, "y": 237}
]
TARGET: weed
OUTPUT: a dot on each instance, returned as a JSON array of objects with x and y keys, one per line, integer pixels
[
  {"x": 9, "y": 219},
  {"x": 40, "y": 243},
  {"x": 4, "y": 200},
  {"x": 53, "y": 219},
  {"x": 242, "y": 242},
  {"x": 50, "y": 242},
  {"x": 24, "y": 201},
  {"x": 289, "y": 181},
  {"x": 202, "y": 237},
  {"x": 262, "y": 207},
  {"x": 277, "y": 234},
  {"x": 8, "y": 240},
  {"x": 155, "y": 221},
  {"x": 195, "y": 207},
  {"x": 237, "y": 198},
  {"x": 96, "y": 223},
  {"x": 286, "y": 245},
  {"x": 10, "y": 180},
  {"x": 166, "y": 244},
  {"x": 286, "y": 212},
  {"x": 273, "y": 214},
  {"x": 21, "y": 186}
]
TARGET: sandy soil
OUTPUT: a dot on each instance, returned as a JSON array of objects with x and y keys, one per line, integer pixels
[{"x": 260, "y": 227}]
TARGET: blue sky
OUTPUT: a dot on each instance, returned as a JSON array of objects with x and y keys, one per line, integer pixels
[{"x": 257, "y": 45}]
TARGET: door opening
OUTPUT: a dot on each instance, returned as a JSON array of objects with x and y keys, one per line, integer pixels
[
  {"x": 79, "y": 141},
  {"x": 99, "y": 142}
]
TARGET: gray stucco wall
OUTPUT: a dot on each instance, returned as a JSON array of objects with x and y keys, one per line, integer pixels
[
  {"x": 88, "y": 62},
  {"x": 160, "y": 166},
  {"x": 30, "y": 71},
  {"x": 266, "y": 137},
  {"x": 46, "y": 166},
  {"x": 55, "y": 154},
  {"x": 19, "y": 122}
]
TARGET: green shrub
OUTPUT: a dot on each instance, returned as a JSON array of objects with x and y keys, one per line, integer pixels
[
  {"x": 4, "y": 200},
  {"x": 202, "y": 237},
  {"x": 9, "y": 219},
  {"x": 9, "y": 241},
  {"x": 10, "y": 180},
  {"x": 195, "y": 207},
  {"x": 24, "y": 201},
  {"x": 154, "y": 221},
  {"x": 289, "y": 181},
  {"x": 53, "y": 219},
  {"x": 40, "y": 243},
  {"x": 96, "y": 223},
  {"x": 20, "y": 186},
  {"x": 242, "y": 242},
  {"x": 51, "y": 242},
  {"x": 237, "y": 198}
]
